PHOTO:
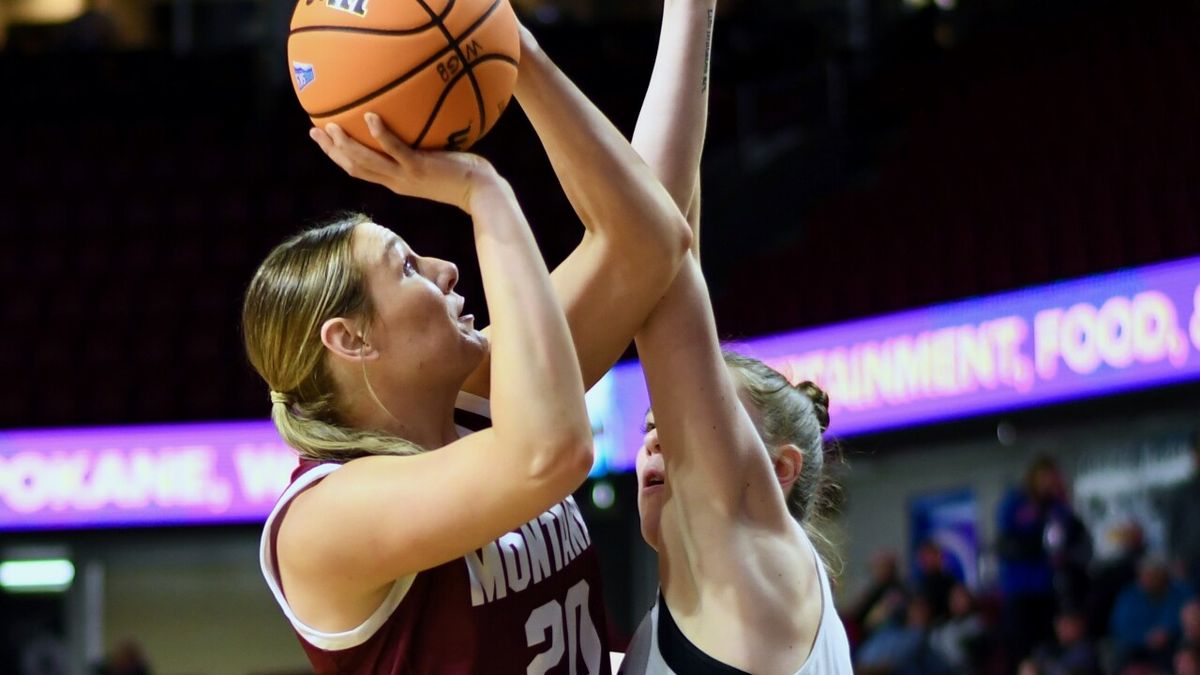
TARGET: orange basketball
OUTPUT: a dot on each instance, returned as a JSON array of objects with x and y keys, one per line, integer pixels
[{"x": 439, "y": 72}]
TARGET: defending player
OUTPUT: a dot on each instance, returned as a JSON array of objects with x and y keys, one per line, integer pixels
[{"x": 732, "y": 463}]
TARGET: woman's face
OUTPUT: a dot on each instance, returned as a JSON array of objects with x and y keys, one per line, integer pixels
[
  {"x": 419, "y": 329},
  {"x": 652, "y": 484}
]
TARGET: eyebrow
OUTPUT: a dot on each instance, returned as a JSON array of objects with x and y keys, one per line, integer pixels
[{"x": 390, "y": 244}]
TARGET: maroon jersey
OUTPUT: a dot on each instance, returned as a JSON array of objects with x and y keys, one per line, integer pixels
[{"x": 529, "y": 602}]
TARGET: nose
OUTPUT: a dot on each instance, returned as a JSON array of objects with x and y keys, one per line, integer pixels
[
  {"x": 650, "y": 443},
  {"x": 447, "y": 276}
]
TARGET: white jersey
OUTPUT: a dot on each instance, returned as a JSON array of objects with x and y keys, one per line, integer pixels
[{"x": 660, "y": 648}]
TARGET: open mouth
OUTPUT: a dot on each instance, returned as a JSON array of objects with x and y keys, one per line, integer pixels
[
  {"x": 466, "y": 320},
  {"x": 653, "y": 480}
]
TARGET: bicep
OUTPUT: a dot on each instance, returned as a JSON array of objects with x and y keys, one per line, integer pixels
[{"x": 380, "y": 518}]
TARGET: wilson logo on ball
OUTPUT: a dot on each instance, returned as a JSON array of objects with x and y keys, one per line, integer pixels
[
  {"x": 304, "y": 74},
  {"x": 355, "y": 7}
]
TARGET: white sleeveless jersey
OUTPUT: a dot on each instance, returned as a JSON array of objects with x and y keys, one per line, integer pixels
[{"x": 669, "y": 652}]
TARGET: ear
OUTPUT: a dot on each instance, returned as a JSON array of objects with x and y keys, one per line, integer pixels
[
  {"x": 345, "y": 340},
  {"x": 788, "y": 465}
]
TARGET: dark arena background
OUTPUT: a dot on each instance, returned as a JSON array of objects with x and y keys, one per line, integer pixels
[{"x": 976, "y": 223}]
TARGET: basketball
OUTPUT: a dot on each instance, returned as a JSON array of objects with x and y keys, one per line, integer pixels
[{"x": 439, "y": 72}]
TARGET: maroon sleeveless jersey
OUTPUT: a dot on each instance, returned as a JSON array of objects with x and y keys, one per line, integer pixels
[{"x": 529, "y": 602}]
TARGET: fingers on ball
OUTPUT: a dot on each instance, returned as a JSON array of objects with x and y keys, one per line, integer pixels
[{"x": 387, "y": 140}]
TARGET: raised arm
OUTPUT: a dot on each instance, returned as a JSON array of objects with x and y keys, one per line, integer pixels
[
  {"x": 439, "y": 505},
  {"x": 635, "y": 236},
  {"x": 670, "y": 129},
  {"x": 716, "y": 463}
]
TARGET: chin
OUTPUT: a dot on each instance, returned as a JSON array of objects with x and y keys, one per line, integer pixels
[
  {"x": 650, "y": 535},
  {"x": 651, "y": 529},
  {"x": 477, "y": 347},
  {"x": 481, "y": 340}
]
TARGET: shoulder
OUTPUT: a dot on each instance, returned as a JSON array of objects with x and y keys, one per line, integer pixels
[{"x": 306, "y": 477}]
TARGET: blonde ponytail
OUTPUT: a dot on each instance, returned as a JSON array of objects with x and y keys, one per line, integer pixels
[{"x": 304, "y": 428}]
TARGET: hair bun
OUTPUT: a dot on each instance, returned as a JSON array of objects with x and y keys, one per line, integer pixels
[{"x": 820, "y": 401}]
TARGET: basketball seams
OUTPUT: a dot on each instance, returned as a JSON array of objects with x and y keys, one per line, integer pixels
[
  {"x": 385, "y": 88},
  {"x": 450, "y": 87},
  {"x": 422, "y": 66},
  {"x": 377, "y": 31},
  {"x": 456, "y": 45},
  {"x": 362, "y": 31}
]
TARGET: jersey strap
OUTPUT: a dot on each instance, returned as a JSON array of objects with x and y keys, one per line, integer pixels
[
  {"x": 472, "y": 413},
  {"x": 680, "y": 654}
]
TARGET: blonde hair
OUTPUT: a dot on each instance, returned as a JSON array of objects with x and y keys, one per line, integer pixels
[
  {"x": 794, "y": 415},
  {"x": 304, "y": 282}
]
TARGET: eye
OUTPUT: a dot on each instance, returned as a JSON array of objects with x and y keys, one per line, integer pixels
[
  {"x": 648, "y": 427},
  {"x": 410, "y": 266}
]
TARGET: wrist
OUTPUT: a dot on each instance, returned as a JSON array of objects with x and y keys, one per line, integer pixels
[
  {"x": 484, "y": 189},
  {"x": 530, "y": 64},
  {"x": 529, "y": 43}
]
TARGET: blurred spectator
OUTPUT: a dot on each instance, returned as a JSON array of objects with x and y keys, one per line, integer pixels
[
  {"x": 125, "y": 659},
  {"x": 1070, "y": 547},
  {"x": 1187, "y": 661},
  {"x": 45, "y": 654},
  {"x": 1040, "y": 541},
  {"x": 1112, "y": 577},
  {"x": 933, "y": 582},
  {"x": 1071, "y": 653},
  {"x": 959, "y": 641},
  {"x": 903, "y": 649},
  {"x": 1146, "y": 620},
  {"x": 1183, "y": 514},
  {"x": 882, "y": 601},
  {"x": 1189, "y": 624}
]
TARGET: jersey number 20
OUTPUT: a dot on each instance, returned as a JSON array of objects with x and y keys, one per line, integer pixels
[{"x": 581, "y": 634}]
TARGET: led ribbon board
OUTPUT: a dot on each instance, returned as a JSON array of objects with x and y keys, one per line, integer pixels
[
  {"x": 1105, "y": 334},
  {"x": 1077, "y": 339},
  {"x": 136, "y": 476}
]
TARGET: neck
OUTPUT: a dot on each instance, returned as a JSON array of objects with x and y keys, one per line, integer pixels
[{"x": 425, "y": 417}]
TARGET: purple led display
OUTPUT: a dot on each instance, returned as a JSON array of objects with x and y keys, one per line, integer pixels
[
  {"x": 135, "y": 476},
  {"x": 1076, "y": 339}
]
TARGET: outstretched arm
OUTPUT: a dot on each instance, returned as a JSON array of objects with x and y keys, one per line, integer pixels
[
  {"x": 670, "y": 129},
  {"x": 732, "y": 535},
  {"x": 635, "y": 237},
  {"x": 716, "y": 463}
]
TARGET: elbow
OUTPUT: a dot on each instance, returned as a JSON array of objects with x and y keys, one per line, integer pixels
[
  {"x": 669, "y": 250},
  {"x": 666, "y": 237},
  {"x": 563, "y": 462},
  {"x": 680, "y": 240}
]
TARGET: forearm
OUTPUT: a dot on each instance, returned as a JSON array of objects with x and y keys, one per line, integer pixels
[
  {"x": 670, "y": 129},
  {"x": 537, "y": 389},
  {"x": 615, "y": 194}
]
